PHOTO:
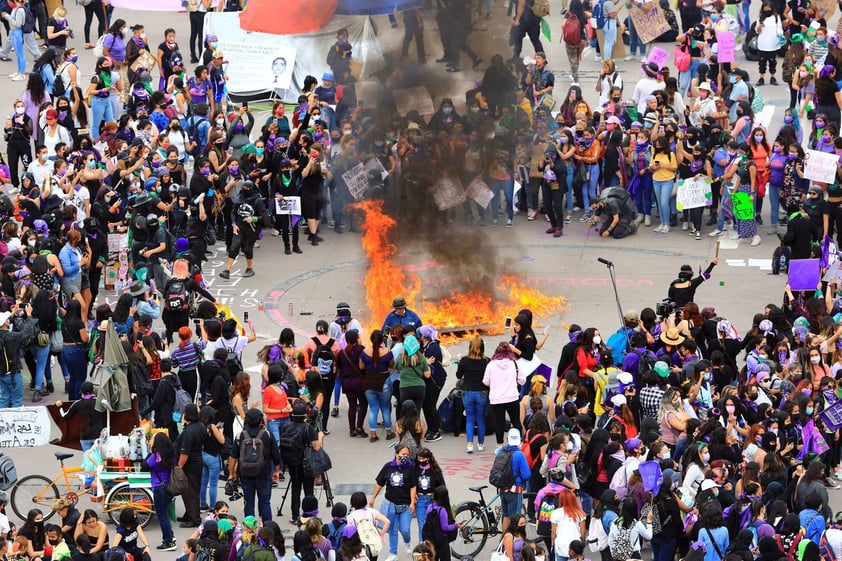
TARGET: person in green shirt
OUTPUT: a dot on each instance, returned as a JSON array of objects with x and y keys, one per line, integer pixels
[{"x": 413, "y": 369}]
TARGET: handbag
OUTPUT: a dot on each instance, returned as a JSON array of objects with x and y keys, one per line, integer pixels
[
  {"x": 56, "y": 342},
  {"x": 547, "y": 101},
  {"x": 42, "y": 339},
  {"x": 178, "y": 481},
  {"x": 498, "y": 554},
  {"x": 316, "y": 462}
]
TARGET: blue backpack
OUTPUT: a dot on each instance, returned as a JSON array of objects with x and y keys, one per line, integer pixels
[
  {"x": 599, "y": 16},
  {"x": 619, "y": 345},
  {"x": 334, "y": 531}
]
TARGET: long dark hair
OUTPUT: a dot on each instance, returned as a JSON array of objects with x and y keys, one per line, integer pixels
[
  {"x": 628, "y": 512},
  {"x": 122, "y": 308},
  {"x": 116, "y": 27},
  {"x": 277, "y": 536},
  {"x": 44, "y": 308},
  {"x": 162, "y": 445},
  {"x": 35, "y": 87},
  {"x": 303, "y": 546},
  {"x": 376, "y": 338},
  {"x": 435, "y": 468}
]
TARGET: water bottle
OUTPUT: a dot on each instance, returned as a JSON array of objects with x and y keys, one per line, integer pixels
[{"x": 783, "y": 263}]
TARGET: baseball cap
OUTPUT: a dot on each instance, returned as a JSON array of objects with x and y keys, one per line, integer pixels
[
  {"x": 513, "y": 437},
  {"x": 250, "y": 522},
  {"x": 662, "y": 368},
  {"x": 633, "y": 443},
  {"x": 631, "y": 315}
]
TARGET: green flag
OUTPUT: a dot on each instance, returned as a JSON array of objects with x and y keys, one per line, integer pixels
[
  {"x": 545, "y": 30},
  {"x": 743, "y": 206}
]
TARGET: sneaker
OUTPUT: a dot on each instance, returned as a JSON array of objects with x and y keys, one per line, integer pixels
[
  {"x": 470, "y": 449},
  {"x": 756, "y": 240},
  {"x": 433, "y": 437},
  {"x": 685, "y": 226},
  {"x": 334, "y": 412},
  {"x": 226, "y": 274},
  {"x": 18, "y": 78},
  {"x": 557, "y": 233},
  {"x": 172, "y": 546},
  {"x": 665, "y": 229},
  {"x": 643, "y": 59},
  {"x": 568, "y": 220},
  {"x": 837, "y": 475},
  {"x": 698, "y": 235},
  {"x": 761, "y": 82},
  {"x": 248, "y": 273},
  {"x": 658, "y": 228},
  {"x": 585, "y": 218},
  {"x": 576, "y": 209},
  {"x": 638, "y": 219},
  {"x": 393, "y": 557},
  {"x": 408, "y": 548},
  {"x": 550, "y": 230},
  {"x": 647, "y": 220},
  {"x": 508, "y": 222},
  {"x": 716, "y": 233},
  {"x": 773, "y": 81},
  {"x": 830, "y": 483},
  {"x": 531, "y": 214},
  {"x": 734, "y": 235},
  {"x": 692, "y": 232},
  {"x": 480, "y": 447},
  {"x": 597, "y": 58},
  {"x": 758, "y": 219},
  {"x": 772, "y": 231}
]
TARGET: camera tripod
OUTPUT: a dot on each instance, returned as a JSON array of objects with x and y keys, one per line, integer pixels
[{"x": 321, "y": 481}]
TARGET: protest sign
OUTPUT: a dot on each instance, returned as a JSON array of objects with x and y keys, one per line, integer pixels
[
  {"x": 417, "y": 99},
  {"x": 727, "y": 42},
  {"x": 650, "y": 24},
  {"x": 356, "y": 179},
  {"x": 260, "y": 66},
  {"x": 24, "y": 427},
  {"x": 832, "y": 415},
  {"x": 659, "y": 56},
  {"x": 743, "y": 206},
  {"x": 479, "y": 192},
  {"x": 834, "y": 273},
  {"x": 288, "y": 205},
  {"x": 804, "y": 274},
  {"x": 694, "y": 192},
  {"x": 374, "y": 164},
  {"x": 448, "y": 192},
  {"x": 820, "y": 166}
]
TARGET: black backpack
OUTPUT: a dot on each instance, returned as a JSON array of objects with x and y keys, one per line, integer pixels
[
  {"x": 252, "y": 455},
  {"x": 232, "y": 361},
  {"x": 176, "y": 296},
  {"x": 58, "y": 85},
  {"x": 28, "y": 21},
  {"x": 645, "y": 364},
  {"x": 193, "y": 135},
  {"x": 432, "y": 530},
  {"x": 293, "y": 443},
  {"x": 502, "y": 476},
  {"x": 323, "y": 357}
]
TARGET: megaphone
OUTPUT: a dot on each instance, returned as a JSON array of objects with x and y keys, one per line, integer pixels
[{"x": 527, "y": 61}]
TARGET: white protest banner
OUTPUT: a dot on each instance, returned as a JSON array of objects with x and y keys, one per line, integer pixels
[
  {"x": 693, "y": 193},
  {"x": 288, "y": 205},
  {"x": 479, "y": 192},
  {"x": 727, "y": 42},
  {"x": 649, "y": 24},
  {"x": 834, "y": 273},
  {"x": 259, "y": 66},
  {"x": 356, "y": 179},
  {"x": 820, "y": 166},
  {"x": 375, "y": 165},
  {"x": 24, "y": 427},
  {"x": 117, "y": 242},
  {"x": 659, "y": 56},
  {"x": 417, "y": 99},
  {"x": 448, "y": 192},
  {"x": 764, "y": 116}
]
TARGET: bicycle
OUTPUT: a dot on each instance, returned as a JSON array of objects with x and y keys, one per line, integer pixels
[
  {"x": 128, "y": 495},
  {"x": 479, "y": 520},
  {"x": 38, "y": 490}
]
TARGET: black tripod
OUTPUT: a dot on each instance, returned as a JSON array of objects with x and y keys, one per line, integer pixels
[{"x": 321, "y": 481}]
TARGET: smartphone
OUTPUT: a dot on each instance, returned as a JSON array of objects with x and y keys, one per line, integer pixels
[
  {"x": 508, "y": 322},
  {"x": 245, "y": 317},
  {"x": 386, "y": 331},
  {"x": 245, "y": 105}
]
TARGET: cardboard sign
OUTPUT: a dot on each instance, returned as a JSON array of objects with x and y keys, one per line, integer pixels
[
  {"x": 288, "y": 205},
  {"x": 834, "y": 273},
  {"x": 659, "y": 56},
  {"x": 804, "y": 274},
  {"x": 417, "y": 98},
  {"x": 356, "y": 179},
  {"x": 693, "y": 193},
  {"x": 832, "y": 415},
  {"x": 374, "y": 164},
  {"x": 649, "y": 24},
  {"x": 743, "y": 206},
  {"x": 24, "y": 427},
  {"x": 727, "y": 42},
  {"x": 479, "y": 192},
  {"x": 448, "y": 192},
  {"x": 820, "y": 166}
]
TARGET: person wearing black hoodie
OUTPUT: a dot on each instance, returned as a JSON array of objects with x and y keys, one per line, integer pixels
[
  {"x": 247, "y": 215},
  {"x": 218, "y": 384},
  {"x": 163, "y": 403}
]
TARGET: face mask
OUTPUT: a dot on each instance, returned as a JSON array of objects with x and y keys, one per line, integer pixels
[
  {"x": 597, "y": 340},
  {"x": 213, "y": 45},
  {"x": 563, "y": 140},
  {"x": 570, "y": 446},
  {"x": 803, "y": 73},
  {"x": 714, "y": 17},
  {"x": 346, "y": 132},
  {"x": 732, "y": 79},
  {"x": 774, "y": 431},
  {"x": 143, "y": 35},
  {"x": 317, "y": 118},
  {"x": 730, "y": 409},
  {"x": 156, "y": 165},
  {"x": 447, "y": 110},
  {"x": 816, "y": 359},
  {"x": 706, "y": 457},
  {"x": 20, "y": 110},
  {"x": 92, "y": 164},
  {"x": 404, "y": 460},
  {"x": 74, "y": 58},
  {"x": 819, "y": 124},
  {"x": 791, "y": 156},
  {"x": 758, "y": 138},
  {"x": 808, "y": 411},
  {"x": 423, "y": 463},
  {"x": 233, "y": 170},
  {"x": 54, "y": 542},
  {"x": 259, "y": 151},
  {"x": 707, "y": 375},
  {"x": 777, "y": 149},
  {"x": 238, "y": 127},
  {"x": 205, "y": 171},
  {"x": 220, "y": 122}
]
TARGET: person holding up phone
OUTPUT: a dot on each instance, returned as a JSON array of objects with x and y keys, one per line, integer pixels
[{"x": 312, "y": 176}]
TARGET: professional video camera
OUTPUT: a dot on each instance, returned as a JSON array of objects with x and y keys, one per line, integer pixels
[{"x": 665, "y": 307}]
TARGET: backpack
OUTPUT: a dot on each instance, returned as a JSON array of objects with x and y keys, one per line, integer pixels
[
  {"x": 432, "y": 530},
  {"x": 293, "y": 445},
  {"x": 252, "y": 458},
  {"x": 599, "y": 17},
  {"x": 323, "y": 358},
  {"x": 541, "y": 8},
  {"x": 502, "y": 476},
  {"x": 621, "y": 546},
  {"x": 58, "y": 85},
  {"x": 175, "y": 295},
  {"x": 755, "y": 98},
  {"x": 597, "y": 538},
  {"x": 203, "y": 554},
  {"x": 169, "y": 249},
  {"x": 28, "y": 21},
  {"x": 780, "y": 260},
  {"x": 369, "y": 535},
  {"x": 619, "y": 345},
  {"x": 548, "y": 504},
  {"x": 681, "y": 56},
  {"x": 571, "y": 31},
  {"x": 792, "y": 553},
  {"x": 620, "y": 482},
  {"x": 232, "y": 361},
  {"x": 825, "y": 551},
  {"x": 334, "y": 532},
  {"x": 645, "y": 363},
  {"x": 182, "y": 400},
  {"x": 526, "y": 448},
  {"x": 100, "y": 43},
  {"x": 8, "y": 472},
  {"x": 193, "y": 135}
]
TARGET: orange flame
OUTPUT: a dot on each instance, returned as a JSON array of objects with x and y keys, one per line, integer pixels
[{"x": 385, "y": 279}]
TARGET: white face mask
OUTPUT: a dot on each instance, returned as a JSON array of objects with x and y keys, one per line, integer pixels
[
  {"x": 569, "y": 446},
  {"x": 20, "y": 110},
  {"x": 220, "y": 122},
  {"x": 816, "y": 359},
  {"x": 597, "y": 340}
]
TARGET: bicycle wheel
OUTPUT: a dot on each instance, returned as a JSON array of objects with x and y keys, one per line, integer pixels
[
  {"x": 31, "y": 492},
  {"x": 473, "y": 530},
  {"x": 123, "y": 496}
]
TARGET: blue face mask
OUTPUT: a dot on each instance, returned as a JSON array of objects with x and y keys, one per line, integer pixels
[
  {"x": 447, "y": 110},
  {"x": 74, "y": 58},
  {"x": 259, "y": 151},
  {"x": 732, "y": 79}
]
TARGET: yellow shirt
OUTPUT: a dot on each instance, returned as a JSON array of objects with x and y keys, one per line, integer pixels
[{"x": 661, "y": 173}]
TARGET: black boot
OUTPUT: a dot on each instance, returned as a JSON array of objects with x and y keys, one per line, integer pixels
[{"x": 287, "y": 250}]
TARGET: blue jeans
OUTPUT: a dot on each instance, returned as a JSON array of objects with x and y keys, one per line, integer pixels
[
  {"x": 569, "y": 195},
  {"x": 508, "y": 187},
  {"x": 262, "y": 487},
  {"x": 643, "y": 196},
  {"x": 337, "y": 393},
  {"x": 609, "y": 37},
  {"x": 663, "y": 550},
  {"x": 20, "y": 54},
  {"x": 162, "y": 499},
  {"x": 685, "y": 77},
  {"x": 86, "y": 444},
  {"x": 379, "y": 402},
  {"x": 42, "y": 358},
  {"x": 210, "y": 479},
  {"x": 402, "y": 522},
  {"x": 774, "y": 192},
  {"x": 11, "y": 390},
  {"x": 634, "y": 40},
  {"x": 666, "y": 202},
  {"x": 475, "y": 404},
  {"x": 589, "y": 188},
  {"x": 276, "y": 427},
  {"x": 421, "y": 510},
  {"x": 74, "y": 360},
  {"x": 100, "y": 111}
]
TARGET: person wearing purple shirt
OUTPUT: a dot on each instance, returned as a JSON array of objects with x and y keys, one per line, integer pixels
[
  {"x": 160, "y": 462},
  {"x": 631, "y": 363},
  {"x": 113, "y": 46},
  {"x": 436, "y": 530}
]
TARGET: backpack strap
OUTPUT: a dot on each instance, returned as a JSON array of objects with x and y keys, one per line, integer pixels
[{"x": 713, "y": 542}]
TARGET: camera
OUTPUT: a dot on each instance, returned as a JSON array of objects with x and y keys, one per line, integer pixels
[{"x": 665, "y": 307}]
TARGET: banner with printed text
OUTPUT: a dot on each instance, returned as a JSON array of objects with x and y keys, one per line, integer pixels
[{"x": 260, "y": 66}]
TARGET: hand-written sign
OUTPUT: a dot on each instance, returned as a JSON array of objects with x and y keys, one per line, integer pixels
[
  {"x": 448, "y": 192},
  {"x": 659, "y": 56},
  {"x": 117, "y": 242},
  {"x": 650, "y": 24},
  {"x": 356, "y": 179},
  {"x": 727, "y": 42},
  {"x": 820, "y": 166},
  {"x": 24, "y": 427},
  {"x": 479, "y": 192},
  {"x": 288, "y": 205},
  {"x": 743, "y": 206},
  {"x": 693, "y": 193}
]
